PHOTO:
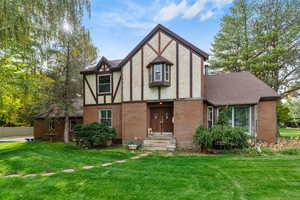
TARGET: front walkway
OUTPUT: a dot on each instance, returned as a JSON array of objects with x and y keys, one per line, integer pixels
[{"x": 71, "y": 170}]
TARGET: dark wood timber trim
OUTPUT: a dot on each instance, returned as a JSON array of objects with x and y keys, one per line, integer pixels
[
  {"x": 104, "y": 99},
  {"x": 88, "y": 84},
  {"x": 142, "y": 73},
  {"x": 122, "y": 95},
  {"x": 112, "y": 87},
  {"x": 202, "y": 79},
  {"x": 130, "y": 79},
  {"x": 83, "y": 85},
  {"x": 159, "y": 93},
  {"x": 108, "y": 104},
  {"x": 151, "y": 47},
  {"x": 162, "y": 51},
  {"x": 97, "y": 92},
  {"x": 117, "y": 88},
  {"x": 177, "y": 70},
  {"x": 191, "y": 74},
  {"x": 159, "y": 42}
]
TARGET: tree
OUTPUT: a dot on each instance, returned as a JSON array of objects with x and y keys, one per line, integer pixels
[
  {"x": 27, "y": 31},
  {"x": 262, "y": 37},
  {"x": 283, "y": 113},
  {"x": 74, "y": 51}
]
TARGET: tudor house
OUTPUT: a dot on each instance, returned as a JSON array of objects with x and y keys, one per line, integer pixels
[{"x": 160, "y": 90}]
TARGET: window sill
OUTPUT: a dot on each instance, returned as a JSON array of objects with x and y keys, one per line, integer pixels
[{"x": 159, "y": 83}]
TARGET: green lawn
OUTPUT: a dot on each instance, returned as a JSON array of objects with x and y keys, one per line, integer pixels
[
  {"x": 288, "y": 132},
  {"x": 158, "y": 176},
  {"x": 22, "y": 158}
]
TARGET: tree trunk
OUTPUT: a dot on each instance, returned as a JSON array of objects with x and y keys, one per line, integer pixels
[
  {"x": 66, "y": 130},
  {"x": 67, "y": 96}
]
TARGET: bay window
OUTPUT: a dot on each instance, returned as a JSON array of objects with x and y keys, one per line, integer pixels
[{"x": 159, "y": 72}]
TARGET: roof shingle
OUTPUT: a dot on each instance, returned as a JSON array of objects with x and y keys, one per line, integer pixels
[{"x": 236, "y": 88}]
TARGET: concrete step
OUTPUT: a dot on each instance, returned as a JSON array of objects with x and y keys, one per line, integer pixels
[{"x": 161, "y": 143}]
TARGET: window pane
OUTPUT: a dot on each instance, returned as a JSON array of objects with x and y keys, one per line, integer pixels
[
  {"x": 226, "y": 114},
  {"x": 167, "y": 70},
  {"x": 104, "y": 88},
  {"x": 157, "y": 72},
  {"x": 241, "y": 117},
  {"x": 104, "y": 84},
  {"x": 104, "y": 79},
  {"x": 108, "y": 114},
  {"x": 103, "y": 114}
]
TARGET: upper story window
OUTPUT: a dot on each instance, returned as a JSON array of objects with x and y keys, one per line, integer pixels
[
  {"x": 159, "y": 72},
  {"x": 104, "y": 84}
]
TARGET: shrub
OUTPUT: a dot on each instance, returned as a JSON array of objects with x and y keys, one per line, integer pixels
[
  {"x": 220, "y": 136},
  {"x": 93, "y": 134}
]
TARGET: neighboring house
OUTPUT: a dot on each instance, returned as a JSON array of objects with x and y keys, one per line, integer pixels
[
  {"x": 51, "y": 124},
  {"x": 160, "y": 89}
]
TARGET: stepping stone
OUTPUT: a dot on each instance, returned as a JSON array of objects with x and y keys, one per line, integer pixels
[
  {"x": 30, "y": 175},
  {"x": 88, "y": 167},
  {"x": 106, "y": 164},
  {"x": 135, "y": 157},
  {"x": 12, "y": 175},
  {"x": 144, "y": 154},
  {"x": 48, "y": 174},
  {"x": 121, "y": 161},
  {"x": 69, "y": 170}
]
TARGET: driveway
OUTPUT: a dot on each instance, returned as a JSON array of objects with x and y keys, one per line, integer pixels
[{"x": 18, "y": 139}]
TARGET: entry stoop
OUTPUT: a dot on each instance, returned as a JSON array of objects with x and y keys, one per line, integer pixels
[{"x": 160, "y": 143}]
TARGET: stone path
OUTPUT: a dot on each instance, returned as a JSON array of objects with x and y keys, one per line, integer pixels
[{"x": 71, "y": 170}]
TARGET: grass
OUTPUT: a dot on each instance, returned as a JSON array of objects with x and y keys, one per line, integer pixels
[
  {"x": 159, "y": 176},
  {"x": 289, "y": 132},
  {"x": 24, "y": 158}
]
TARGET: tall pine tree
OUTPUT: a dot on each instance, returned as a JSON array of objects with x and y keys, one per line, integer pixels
[{"x": 262, "y": 37}]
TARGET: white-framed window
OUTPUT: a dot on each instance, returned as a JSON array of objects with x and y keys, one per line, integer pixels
[
  {"x": 157, "y": 72},
  {"x": 167, "y": 72},
  {"x": 105, "y": 116},
  {"x": 238, "y": 116},
  {"x": 104, "y": 83},
  {"x": 210, "y": 116}
]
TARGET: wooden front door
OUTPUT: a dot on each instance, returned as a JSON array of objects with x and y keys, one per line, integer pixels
[{"x": 161, "y": 119}]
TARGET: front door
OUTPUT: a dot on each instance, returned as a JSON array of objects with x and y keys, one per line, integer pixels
[{"x": 162, "y": 119}]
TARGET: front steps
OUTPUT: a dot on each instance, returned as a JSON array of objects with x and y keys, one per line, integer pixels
[{"x": 160, "y": 143}]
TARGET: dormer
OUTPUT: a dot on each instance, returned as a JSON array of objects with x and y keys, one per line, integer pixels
[{"x": 159, "y": 72}]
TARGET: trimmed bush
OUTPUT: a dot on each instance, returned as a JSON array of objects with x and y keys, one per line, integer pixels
[
  {"x": 93, "y": 134},
  {"x": 222, "y": 137}
]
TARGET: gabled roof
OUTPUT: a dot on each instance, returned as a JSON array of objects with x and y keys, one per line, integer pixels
[
  {"x": 169, "y": 33},
  {"x": 237, "y": 88},
  {"x": 160, "y": 59},
  {"x": 112, "y": 64}
]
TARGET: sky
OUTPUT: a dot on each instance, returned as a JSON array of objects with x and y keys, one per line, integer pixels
[{"x": 117, "y": 26}]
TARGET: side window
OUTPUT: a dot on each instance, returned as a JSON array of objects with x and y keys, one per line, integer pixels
[
  {"x": 167, "y": 73},
  {"x": 105, "y": 116},
  {"x": 104, "y": 83},
  {"x": 210, "y": 116}
]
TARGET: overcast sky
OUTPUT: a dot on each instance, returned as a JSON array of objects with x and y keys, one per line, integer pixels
[{"x": 117, "y": 26}]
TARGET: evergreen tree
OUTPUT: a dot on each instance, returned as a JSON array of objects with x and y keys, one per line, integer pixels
[{"x": 262, "y": 37}]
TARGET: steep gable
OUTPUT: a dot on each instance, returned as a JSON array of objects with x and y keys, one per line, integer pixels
[{"x": 153, "y": 39}]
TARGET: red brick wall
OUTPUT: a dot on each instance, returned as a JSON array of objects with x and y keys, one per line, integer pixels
[
  {"x": 266, "y": 121},
  {"x": 188, "y": 115},
  {"x": 40, "y": 128},
  {"x": 134, "y": 121},
  {"x": 90, "y": 114}
]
